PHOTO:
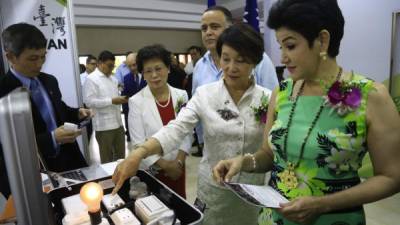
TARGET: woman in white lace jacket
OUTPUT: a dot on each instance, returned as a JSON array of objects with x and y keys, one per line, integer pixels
[{"x": 231, "y": 127}]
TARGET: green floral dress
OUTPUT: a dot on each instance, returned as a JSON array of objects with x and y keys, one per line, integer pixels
[{"x": 332, "y": 154}]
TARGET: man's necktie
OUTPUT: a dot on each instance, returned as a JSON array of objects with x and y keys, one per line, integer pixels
[
  {"x": 40, "y": 101},
  {"x": 137, "y": 81}
]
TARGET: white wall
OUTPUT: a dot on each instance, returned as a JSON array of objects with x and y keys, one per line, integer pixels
[
  {"x": 92, "y": 40},
  {"x": 366, "y": 44}
]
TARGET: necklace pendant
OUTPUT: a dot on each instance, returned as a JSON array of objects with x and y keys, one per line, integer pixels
[{"x": 288, "y": 176}]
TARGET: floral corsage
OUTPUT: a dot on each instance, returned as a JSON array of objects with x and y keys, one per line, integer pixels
[
  {"x": 180, "y": 103},
  {"x": 344, "y": 97},
  {"x": 260, "y": 112}
]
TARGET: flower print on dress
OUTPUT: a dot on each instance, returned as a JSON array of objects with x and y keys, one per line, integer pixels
[
  {"x": 227, "y": 114},
  {"x": 283, "y": 85},
  {"x": 265, "y": 218},
  {"x": 307, "y": 183},
  {"x": 341, "y": 151},
  {"x": 276, "y": 133}
]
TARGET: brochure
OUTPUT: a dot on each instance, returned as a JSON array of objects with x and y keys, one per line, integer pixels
[{"x": 262, "y": 196}]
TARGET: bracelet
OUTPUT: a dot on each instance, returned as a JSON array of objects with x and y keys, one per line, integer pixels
[{"x": 253, "y": 158}]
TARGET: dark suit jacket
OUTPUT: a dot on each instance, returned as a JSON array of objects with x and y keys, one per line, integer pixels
[
  {"x": 176, "y": 77},
  {"x": 131, "y": 88},
  {"x": 69, "y": 156}
]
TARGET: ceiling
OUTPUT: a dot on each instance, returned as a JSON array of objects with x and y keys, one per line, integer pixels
[{"x": 168, "y": 14}]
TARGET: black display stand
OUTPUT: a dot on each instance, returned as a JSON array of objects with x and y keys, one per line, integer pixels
[{"x": 185, "y": 212}]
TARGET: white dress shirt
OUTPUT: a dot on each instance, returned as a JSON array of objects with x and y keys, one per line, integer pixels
[
  {"x": 83, "y": 77},
  {"x": 98, "y": 92},
  {"x": 189, "y": 68},
  {"x": 145, "y": 120}
]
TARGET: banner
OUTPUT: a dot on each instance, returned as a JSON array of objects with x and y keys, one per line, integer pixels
[{"x": 53, "y": 19}]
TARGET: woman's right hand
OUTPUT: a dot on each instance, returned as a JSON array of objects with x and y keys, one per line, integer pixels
[
  {"x": 127, "y": 168},
  {"x": 226, "y": 169}
]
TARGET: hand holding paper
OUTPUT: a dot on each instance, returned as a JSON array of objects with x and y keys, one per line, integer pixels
[{"x": 263, "y": 196}]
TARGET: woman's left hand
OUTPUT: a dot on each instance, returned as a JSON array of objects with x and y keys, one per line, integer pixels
[{"x": 302, "y": 210}]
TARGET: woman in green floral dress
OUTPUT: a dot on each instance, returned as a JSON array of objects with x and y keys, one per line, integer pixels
[{"x": 321, "y": 122}]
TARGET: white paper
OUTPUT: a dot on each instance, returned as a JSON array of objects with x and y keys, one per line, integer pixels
[{"x": 263, "y": 196}]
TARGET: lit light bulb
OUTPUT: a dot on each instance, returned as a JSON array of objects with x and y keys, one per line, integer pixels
[{"x": 91, "y": 194}]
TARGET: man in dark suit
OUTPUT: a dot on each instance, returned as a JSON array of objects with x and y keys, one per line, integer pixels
[
  {"x": 25, "y": 48},
  {"x": 133, "y": 83}
]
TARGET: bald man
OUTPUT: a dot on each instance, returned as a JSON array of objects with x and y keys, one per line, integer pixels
[{"x": 133, "y": 83}]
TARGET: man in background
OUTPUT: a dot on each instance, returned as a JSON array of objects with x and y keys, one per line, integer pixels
[
  {"x": 100, "y": 92},
  {"x": 133, "y": 83},
  {"x": 25, "y": 48},
  {"x": 176, "y": 74},
  {"x": 122, "y": 70},
  {"x": 207, "y": 70},
  {"x": 91, "y": 63},
  {"x": 195, "y": 53}
]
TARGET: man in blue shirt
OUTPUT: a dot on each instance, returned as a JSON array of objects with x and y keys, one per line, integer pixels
[
  {"x": 121, "y": 71},
  {"x": 213, "y": 22}
]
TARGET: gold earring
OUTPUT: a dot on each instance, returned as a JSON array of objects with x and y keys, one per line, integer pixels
[{"x": 323, "y": 55}]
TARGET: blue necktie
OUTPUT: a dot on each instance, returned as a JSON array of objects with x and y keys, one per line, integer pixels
[
  {"x": 137, "y": 81},
  {"x": 40, "y": 101}
]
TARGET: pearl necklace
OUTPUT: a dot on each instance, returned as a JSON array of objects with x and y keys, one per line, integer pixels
[{"x": 166, "y": 104}]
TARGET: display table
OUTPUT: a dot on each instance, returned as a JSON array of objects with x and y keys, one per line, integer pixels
[{"x": 184, "y": 211}]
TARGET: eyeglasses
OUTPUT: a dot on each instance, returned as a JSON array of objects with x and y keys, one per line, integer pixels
[{"x": 157, "y": 69}]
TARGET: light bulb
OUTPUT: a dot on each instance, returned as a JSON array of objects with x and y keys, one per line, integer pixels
[{"x": 91, "y": 194}]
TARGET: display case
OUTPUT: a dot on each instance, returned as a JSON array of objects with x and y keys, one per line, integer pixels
[{"x": 185, "y": 212}]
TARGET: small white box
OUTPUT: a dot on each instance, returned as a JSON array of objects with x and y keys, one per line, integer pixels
[
  {"x": 70, "y": 126},
  {"x": 149, "y": 208},
  {"x": 124, "y": 217},
  {"x": 112, "y": 202},
  {"x": 74, "y": 205}
]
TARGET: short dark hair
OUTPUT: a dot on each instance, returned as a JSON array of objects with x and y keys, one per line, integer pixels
[
  {"x": 90, "y": 58},
  {"x": 156, "y": 51},
  {"x": 106, "y": 55},
  {"x": 82, "y": 68},
  {"x": 20, "y": 36},
  {"x": 225, "y": 11},
  {"x": 245, "y": 40},
  {"x": 308, "y": 18},
  {"x": 196, "y": 48}
]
